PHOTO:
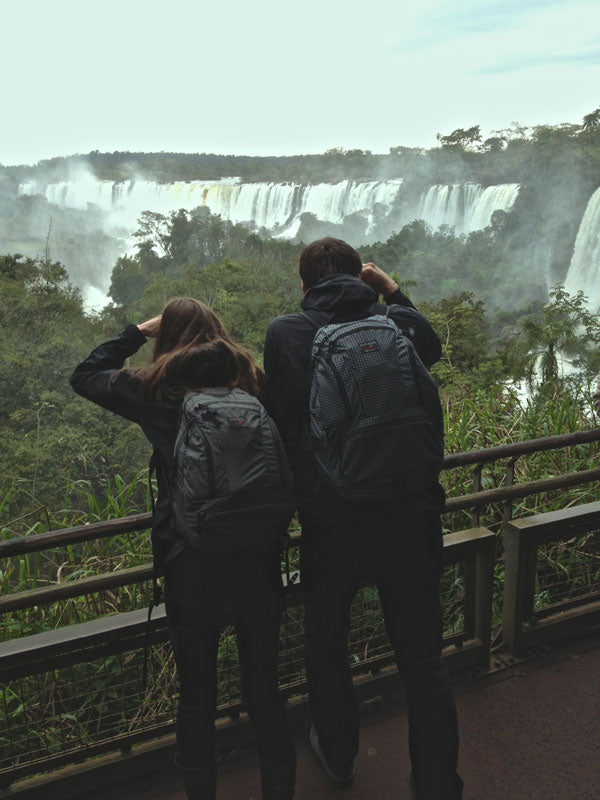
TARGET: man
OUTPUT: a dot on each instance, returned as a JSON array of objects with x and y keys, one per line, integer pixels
[{"x": 395, "y": 542}]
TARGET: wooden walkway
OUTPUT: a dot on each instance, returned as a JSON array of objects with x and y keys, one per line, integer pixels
[{"x": 528, "y": 732}]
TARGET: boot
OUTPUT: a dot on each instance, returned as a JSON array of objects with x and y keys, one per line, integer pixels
[
  {"x": 278, "y": 781},
  {"x": 200, "y": 783}
]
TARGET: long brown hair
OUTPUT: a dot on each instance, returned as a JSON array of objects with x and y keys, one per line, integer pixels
[{"x": 192, "y": 351}]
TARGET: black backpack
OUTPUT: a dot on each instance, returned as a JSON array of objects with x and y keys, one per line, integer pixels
[
  {"x": 374, "y": 412},
  {"x": 231, "y": 485}
]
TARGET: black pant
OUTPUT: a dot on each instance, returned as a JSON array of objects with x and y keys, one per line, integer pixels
[
  {"x": 405, "y": 564},
  {"x": 197, "y": 588}
]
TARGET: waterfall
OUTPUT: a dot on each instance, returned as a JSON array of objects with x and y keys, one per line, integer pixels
[
  {"x": 584, "y": 270},
  {"x": 264, "y": 205},
  {"x": 465, "y": 207},
  {"x": 385, "y": 205},
  {"x": 486, "y": 201},
  {"x": 277, "y": 207}
]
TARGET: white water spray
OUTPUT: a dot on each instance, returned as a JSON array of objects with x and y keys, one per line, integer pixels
[{"x": 584, "y": 269}]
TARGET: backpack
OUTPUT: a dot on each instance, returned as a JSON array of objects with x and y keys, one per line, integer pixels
[
  {"x": 375, "y": 421},
  {"x": 231, "y": 485}
]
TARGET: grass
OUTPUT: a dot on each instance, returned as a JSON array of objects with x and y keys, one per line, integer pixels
[
  {"x": 83, "y": 505},
  {"x": 472, "y": 421}
]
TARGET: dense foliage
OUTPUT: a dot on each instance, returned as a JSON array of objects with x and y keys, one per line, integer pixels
[{"x": 58, "y": 450}]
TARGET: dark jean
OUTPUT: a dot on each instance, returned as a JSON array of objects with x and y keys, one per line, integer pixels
[
  {"x": 406, "y": 565},
  {"x": 198, "y": 586}
]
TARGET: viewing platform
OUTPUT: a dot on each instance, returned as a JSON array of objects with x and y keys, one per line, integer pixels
[
  {"x": 529, "y": 731},
  {"x": 521, "y": 600}
]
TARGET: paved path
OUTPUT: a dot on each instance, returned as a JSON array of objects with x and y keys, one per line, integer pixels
[{"x": 531, "y": 732}]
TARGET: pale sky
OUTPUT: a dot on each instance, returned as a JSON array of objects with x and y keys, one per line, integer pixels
[{"x": 270, "y": 78}]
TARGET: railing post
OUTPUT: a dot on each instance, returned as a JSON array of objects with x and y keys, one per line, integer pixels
[
  {"x": 507, "y": 506},
  {"x": 476, "y": 512},
  {"x": 484, "y": 586},
  {"x": 519, "y": 574}
]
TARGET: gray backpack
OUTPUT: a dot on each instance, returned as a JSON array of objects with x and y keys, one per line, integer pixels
[
  {"x": 374, "y": 412},
  {"x": 231, "y": 485}
]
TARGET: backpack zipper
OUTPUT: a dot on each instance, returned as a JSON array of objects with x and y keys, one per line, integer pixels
[
  {"x": 212, "y": 483},
  {"x": 341, "y": 389},
  {"x": 334, "y": 339}
]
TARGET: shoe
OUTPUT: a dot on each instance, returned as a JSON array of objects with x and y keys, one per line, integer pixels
[
  {"x": 341, "y": 777},
  {"x": 200, "y": 783},
  {"x": 278, "y": 782},
  {"x": 413, "y": 789}
]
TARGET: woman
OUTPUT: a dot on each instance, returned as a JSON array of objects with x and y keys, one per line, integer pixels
[{"x": 192, "y": 351}]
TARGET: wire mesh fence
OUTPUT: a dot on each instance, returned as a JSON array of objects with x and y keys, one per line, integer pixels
[
  {"x": 567, "y": 572},
  {"x": 80, "y": 705},
  {"x": 73, "y": 707}
]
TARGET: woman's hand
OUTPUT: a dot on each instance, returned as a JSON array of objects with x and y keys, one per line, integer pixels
[{"x": 150, "y": 327}]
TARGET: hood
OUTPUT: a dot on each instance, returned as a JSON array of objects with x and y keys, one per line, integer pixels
[{"x": 343, "y": 294}]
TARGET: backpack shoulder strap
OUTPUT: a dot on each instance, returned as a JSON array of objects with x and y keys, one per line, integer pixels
[
  {"x": 311, "y": 317},
  {"x": 381, "y": 308},
  {"x": 151, "y": 471}
]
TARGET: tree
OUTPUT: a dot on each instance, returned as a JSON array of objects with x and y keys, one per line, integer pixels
[
  {"x": 563, "y": 333},
  {"x": 495, "y": 144},
  {"x": 461, "y": 138},
  {"x": 128, "y": 281},
  {"x": 591, "y": 122},
  {"x": 460, "y": 323},
  {"x": 153, "y": 230}
]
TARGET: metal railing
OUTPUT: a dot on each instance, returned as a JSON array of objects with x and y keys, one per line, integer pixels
[
  {"x": 75, "y": 692},
  {"x": 552, "y": 579}
]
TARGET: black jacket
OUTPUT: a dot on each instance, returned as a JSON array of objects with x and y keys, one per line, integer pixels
[
  {"x": 99, "y": 378},
  {"x": 287, "y": 357}
]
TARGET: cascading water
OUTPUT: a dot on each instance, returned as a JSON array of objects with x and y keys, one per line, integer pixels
[
  {"x": 277, "y": 207},
  {"x": 584, "y": 269},
  {"x": 466, "y": 207},
  {"x": 265, "y": 205}
]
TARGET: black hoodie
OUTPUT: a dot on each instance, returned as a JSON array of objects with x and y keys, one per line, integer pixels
[{"x": 287, "y": 357}]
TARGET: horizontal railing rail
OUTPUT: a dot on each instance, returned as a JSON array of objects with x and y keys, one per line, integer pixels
[
  {"x": 138, "y": 522},
  {"x": 484, "y": 498},
  {"x": 37, "y": 542},
  {"x": 522, "y": 448}
]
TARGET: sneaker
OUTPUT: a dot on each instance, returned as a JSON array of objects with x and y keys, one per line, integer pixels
[{"x": 340, "y": 777}]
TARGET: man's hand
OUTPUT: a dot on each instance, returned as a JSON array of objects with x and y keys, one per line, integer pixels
[
  {"x": 379, "y": 280},
  {"x": 150, "y": 327}
]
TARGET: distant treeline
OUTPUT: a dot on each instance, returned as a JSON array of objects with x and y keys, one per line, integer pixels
[{"x": 509, "y": 155}]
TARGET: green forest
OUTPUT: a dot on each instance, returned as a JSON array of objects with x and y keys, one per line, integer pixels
[{"x": 59, "y": 451}]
